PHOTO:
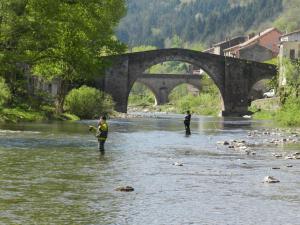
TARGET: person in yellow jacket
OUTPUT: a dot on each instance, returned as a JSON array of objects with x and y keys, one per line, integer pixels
[{"x": 101, "y": 132}]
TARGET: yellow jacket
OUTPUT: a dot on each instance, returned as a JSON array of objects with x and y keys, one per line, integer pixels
[{"x": 101, "y": 132}]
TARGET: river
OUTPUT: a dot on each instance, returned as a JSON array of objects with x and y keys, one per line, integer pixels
[{"x": 52, "y": 173}]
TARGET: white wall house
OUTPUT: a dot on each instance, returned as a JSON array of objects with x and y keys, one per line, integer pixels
[{"x": 289, "y": 49}]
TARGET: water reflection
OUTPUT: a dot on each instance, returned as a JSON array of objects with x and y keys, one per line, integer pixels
[{"x": 52, "y": 173}]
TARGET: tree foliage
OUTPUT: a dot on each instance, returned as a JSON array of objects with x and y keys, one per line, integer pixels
[
  {"x": 88, "y": 103},
  {"x": 62, "y": 39},
  {"x": 156, "y": 22},
  {"x": 289, "y": 20},
  {"x": 5, "y": 94}
]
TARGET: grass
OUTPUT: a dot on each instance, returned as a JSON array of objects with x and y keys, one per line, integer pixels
[
  {"x": 264, "y": 115},
  {"x": 18, "y": 114},
  {"x": 67, "y": 116},
  {"x": 203, "y": 104},
  {"x": 287, "y": 115}
]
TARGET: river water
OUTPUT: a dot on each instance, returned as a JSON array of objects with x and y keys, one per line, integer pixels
[{"x": 52, "y": 173}]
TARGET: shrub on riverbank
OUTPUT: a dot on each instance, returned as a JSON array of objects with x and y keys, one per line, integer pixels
[
  {"x": 140, "y": 95},
  {"x": 87, "y": 103},
  {"x": 5, "y": 94},
  {"x": 207, "y": 102},
  {"x": 203, "y": 104},
  {"x": 17, "y": 114},
  {"x": 288, "y": 115}
]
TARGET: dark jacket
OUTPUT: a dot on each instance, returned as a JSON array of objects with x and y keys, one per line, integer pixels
[{"x": 187, "y": 119}]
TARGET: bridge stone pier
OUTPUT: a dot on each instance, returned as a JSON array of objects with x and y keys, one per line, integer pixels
[
  {"x": 162, "y": 85},
  {"x": 233, "y": 77}
]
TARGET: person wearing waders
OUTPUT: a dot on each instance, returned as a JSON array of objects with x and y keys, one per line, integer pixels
[
  {"x": 187, "y": 121},
  {"x": 101, "y": 132}
]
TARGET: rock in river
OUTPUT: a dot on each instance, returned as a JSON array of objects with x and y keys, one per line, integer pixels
[
  {"x": 269, "y": 179},
  {"x": 125, "y": 189},
  {"x": 275, "y": 168}
]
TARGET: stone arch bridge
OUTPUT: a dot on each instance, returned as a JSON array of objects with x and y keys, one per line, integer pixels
[
  {"x": 233, "y": 77},
  {"x": 162, "y": 85}
]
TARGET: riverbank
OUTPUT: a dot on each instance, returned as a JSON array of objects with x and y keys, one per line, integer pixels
[
  {"x": 272, "y": 109},
  {"x": 15, "y": 115},
  {"x": 171, "y": 108}
]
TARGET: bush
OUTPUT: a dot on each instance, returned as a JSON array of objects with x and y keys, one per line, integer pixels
[
  {"x": 140, "y": 95},
  {"x": 5, "y": 94},
  {"x": 88, "y": 103},
  {"x": 289, "y": 113},
  {"x": 204, "y": 104}
]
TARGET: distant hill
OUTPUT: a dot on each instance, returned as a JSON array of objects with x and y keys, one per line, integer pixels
[{"x": 152, "y": 22}]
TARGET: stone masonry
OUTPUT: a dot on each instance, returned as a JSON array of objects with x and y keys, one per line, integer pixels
[{"x": 234, "y": 77}]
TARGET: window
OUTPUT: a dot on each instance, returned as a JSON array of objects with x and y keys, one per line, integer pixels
[{"x": 292, "y": 54}]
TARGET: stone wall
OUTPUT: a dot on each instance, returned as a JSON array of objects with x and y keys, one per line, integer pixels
[{"x": 256, "y": 53}]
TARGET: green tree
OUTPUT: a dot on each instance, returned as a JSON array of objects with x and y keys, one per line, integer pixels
[
  {"x": 143, "y": 48},
  {"x": 4, "y": 92},
  {"x": 289, "y": 20},
  {"x": 62, "y": 39},
  {"x": 88, "y": 103},
  {"x": 156, "y": 22},
  {"x": 292, "y": 75}
]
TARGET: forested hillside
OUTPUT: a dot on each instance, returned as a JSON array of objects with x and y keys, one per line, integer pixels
[{"x": 152, "y": 22}]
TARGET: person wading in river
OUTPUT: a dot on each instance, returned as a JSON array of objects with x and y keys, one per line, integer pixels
[
  {"x": 187, "y": 121},
  {"x": 101, "y": 132}
]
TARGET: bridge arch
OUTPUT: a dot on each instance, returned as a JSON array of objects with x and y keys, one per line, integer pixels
[
  {"x": 163, "y": 84},
  {"x": 233, "y": 77},
  {"x": 261, "y": 76},
  {"x": 211, "y": 67},
  {"x": 148, "y": 88}
]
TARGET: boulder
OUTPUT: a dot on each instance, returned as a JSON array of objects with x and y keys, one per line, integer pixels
[
  {"x": 277, "y": 155},
  {"x": 225, "y": 143},
  {"x": 269, "y": 179},
  {"x": 289, "y": 157},
  {"x": 178, "y": 164},
  {"x": 125, "y": 189},
  {"x": 275, "y": 168}
]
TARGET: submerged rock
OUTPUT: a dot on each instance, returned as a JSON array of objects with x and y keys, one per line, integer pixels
[
  {"x": 178, "y": 164},
  {"x": 125, "y": 189},
  {"x": 277, "y": 155},
  {"x": 269, "y": 179},
  {"x": 223, "y": 142}
]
